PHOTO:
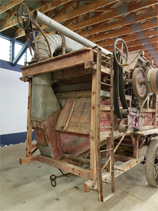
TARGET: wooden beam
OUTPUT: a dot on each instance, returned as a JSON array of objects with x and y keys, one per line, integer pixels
[
  {"x": 58, "y": 14},
  {"x": 135, "y": 43},
  {"x": 127, "y": 38},
  {"x": 113, "y": 15},
  {"x": 126, "y": 31},
  {"x": 82, "y": 10},
  {"x": 10, "y": 14},
  {"x": 76, "y": 12},
  {"x": 130, "y": 29},
  {"x": 9, "y": 5},
  {"x": 43, "y": 9},
  {"x": 142, "y": 47}
]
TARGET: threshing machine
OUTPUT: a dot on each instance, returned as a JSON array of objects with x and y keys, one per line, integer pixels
[{"x": 88, "y": 107}]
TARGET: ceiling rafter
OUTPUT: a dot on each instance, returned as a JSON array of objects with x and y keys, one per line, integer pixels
[
  {"x": 125, "y": 31},
  {"x": 127, "y": 38},
  {"x": 77, "y": 12},
  {"x": 9, "y": 5},
  {"x": 125, "y": 21},
  {"x": 43, "y": 9},
  {"x": 9, "y": 15},
  {"x": 136, "y": 43}
]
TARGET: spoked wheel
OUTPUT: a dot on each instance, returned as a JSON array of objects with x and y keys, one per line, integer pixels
[
  {"x": 151, "y": 164},
  {"x": 23, "y": 16},
  {"x": 120, "y": 54}
]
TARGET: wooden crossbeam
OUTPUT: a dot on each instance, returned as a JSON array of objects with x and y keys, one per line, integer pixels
[
  {"x": 10, "y": 14},
  {"x": 77, "y": 12},
  {"x": 135, "y": 43},
  {"x": 127, "y": 38},
  {"x": 126, "y": 31},
  {"x": 138, "y": 18},
  {"x": 9, "y": 5},
  {"x": 113, "y": 15},
  {"x": 142, "y": 47},
  {"x": 57, "y": 14},
  {"x": 43, "y": 9}
]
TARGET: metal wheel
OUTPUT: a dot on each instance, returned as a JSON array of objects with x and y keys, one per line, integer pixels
[
  {"x": 23, "y": 16},
  {"x": 138, "y": 82},
  {"x": 117, "y": 51},
  {"x": 151, "y": 164}
]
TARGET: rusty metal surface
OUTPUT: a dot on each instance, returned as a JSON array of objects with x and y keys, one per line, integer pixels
[
  {"x": 60, "y": 62},
  {"x": 138, "y": 87}
]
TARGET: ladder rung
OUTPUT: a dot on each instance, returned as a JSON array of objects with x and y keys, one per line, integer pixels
[
  {"x": 109, "y": 172},
  {"x": 106, "y": 107},
  {"x": 119, "y": 169},
  {"x": 109, "y": 127},
  {"x": 106, "y": 150},
  {"x": 104, "y": 93},
  {"x": 105, "y": 84},
  {"x": 108, "y": 197}
]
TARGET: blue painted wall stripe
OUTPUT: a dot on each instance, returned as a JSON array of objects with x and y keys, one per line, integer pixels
[
  {"x": 15, "y": 138},
  {"x": 7, "y": 65}
]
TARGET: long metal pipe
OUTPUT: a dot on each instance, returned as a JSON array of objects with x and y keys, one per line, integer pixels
[{"x": 40, "y": 17}]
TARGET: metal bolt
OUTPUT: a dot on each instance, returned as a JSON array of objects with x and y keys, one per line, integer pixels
[{"x": 93, "y": 106}]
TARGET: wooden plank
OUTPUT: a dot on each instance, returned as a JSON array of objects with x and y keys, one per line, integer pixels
[
  {"x": 10, "y": 14},
  {"x": 111, "y": 15},
  {"x": 124, "y": 167},
  {"x": 29, "y": 124},
  {"x": 70, "y": 114},
  {"x": 146, "y": 132},
  {"x": 135, "y": 43},
  {"x": 75, "y": 13},
  {"x": 9, "y": 5},
  {"x": 28, "y": 160},
  {"x": 76, "y": 159},
  {"x": 97, "y": 126},
  {"x": 92, "y": 129},
  {"x": 121, "y": 158},
  {"x": 71, "y": 73},
  {"x": 104, "y": 93},
  {"x": 79, "y": 122},
  {"x": 74, "y": 94},
  {"x": 44, "y": 8},
  {"x": 64, "y": 115},
  {"x": 65, "y": 167},
  {"x": 106, "y": 177},
  {"x": 112, "y": 126},
  {"x": 68, "y": 60}
]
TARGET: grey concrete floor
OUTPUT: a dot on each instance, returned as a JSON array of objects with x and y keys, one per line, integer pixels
[{"x": 28, "y": 188}]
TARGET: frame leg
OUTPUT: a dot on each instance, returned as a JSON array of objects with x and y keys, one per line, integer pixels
[{"x": 29, "y": 125}]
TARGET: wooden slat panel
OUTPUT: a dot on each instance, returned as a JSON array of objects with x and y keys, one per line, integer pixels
[
  {"x": 64, "y": 115},
  {"x": 60, "y": 62}
]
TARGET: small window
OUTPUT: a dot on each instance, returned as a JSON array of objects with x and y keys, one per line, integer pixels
[
  {"x": 29, "y": 57},
  {"x": 5, "y": 49},
  {"x": 17, "y": 49}
]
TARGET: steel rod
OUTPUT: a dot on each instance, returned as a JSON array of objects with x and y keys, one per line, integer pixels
[{"x": 40, "y": 17}]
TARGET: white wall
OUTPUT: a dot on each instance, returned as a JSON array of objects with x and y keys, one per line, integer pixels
[{"x": 13, "y": 102}]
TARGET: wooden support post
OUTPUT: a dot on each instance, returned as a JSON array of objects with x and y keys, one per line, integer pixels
[
  {"x": 108, "y": 154},
  {"x": 97, "y": 128},
  {"x": 112, "y": 128},
  {"x": 92, "y": 130},
  {"x": 29, "y": 124}
]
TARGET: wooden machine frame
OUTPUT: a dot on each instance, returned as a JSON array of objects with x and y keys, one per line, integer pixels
[{"x": 91, "y": 61}]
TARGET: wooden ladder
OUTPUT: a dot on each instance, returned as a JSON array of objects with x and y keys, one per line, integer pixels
[{"x": 110, "y": 145}]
